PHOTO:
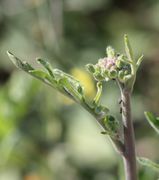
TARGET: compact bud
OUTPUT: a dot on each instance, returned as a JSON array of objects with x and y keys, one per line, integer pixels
[
  {"x": 105, "y": 73},
  {"x": 90, "y": 68},
  {"x": 107, "y": 63},
  {"x": 98, "y": 76},
  {"x": 112, "y": 74},
  {"x": 121, "y": 75},
  {"x": 114, "y": 66}
]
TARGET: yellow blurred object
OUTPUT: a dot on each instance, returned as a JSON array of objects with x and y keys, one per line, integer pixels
[
  {"x": 65, "y": 100},
  {"x": 85, "y": 80}
]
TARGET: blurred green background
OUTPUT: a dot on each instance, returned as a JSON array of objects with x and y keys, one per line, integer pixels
[{"x": 45, "y": 136}]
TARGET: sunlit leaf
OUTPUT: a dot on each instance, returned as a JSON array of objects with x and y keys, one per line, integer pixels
[{"x": 56, "y": 78}]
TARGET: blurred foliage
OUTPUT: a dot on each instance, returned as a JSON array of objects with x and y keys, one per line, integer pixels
[
  {"x": 154, "y": 122},
  {"x": 42, "y": 135}
]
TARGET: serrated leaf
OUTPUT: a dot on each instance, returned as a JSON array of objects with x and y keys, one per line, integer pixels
[
  {"x": 146, "y": 162},
  {"x": 70, "y": 89},
  {"x": 153, "y": 121},
  {"x": 60, "y": 74},
  {"x": 64, "y": 82},
  {"x": 74, "y": 82}
]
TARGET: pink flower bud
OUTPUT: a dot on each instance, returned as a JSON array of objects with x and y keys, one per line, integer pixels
[{"x": 107, "y": 63}]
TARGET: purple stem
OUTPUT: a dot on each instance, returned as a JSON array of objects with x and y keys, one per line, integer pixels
[{"x": 129, "y": 155}]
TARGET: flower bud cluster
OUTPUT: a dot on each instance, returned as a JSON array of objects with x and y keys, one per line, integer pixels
[{"x": 112, "y": 67}]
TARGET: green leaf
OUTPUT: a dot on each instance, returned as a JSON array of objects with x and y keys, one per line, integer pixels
[
  {"x": 56, "y": 78},
  {"x": 71, "y": 89},
  {"x": 60, "y": 74},
  {"x": 110, "y": 52},
  {"x": 139, "y": 61},
  {"x": 22, "y": 65},
  {"x": 128, "y": 48},
  {"x": 90, "y": 68},
  {"x": 46, "y": 65},
  {"x": 69, "y": 86},
  {"x": 43, "y": 76},
  {"x": 98, "y": 95},
  {"x": 74, "y": 82},
  {"x": 154, "y": 121},
  {"x": 146, "y": 162},
  {"x": 38, "y": 74},
  {"x": 125, "y": 60}
]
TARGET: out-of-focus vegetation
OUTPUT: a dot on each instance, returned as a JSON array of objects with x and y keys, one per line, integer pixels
[{"x": 45, "y": 136}]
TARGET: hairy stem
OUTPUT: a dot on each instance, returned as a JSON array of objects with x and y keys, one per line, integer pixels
[{"x": 129, "y": 155}]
